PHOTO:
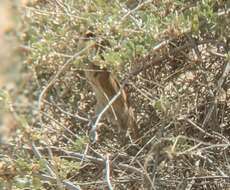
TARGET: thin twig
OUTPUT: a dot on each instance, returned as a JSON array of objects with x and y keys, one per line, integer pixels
[
  {"x": 51, "y": 83},
  {"x": 52, "y": 13},
  {"x": 146, "y": 176},
  {"x": 216, "y": 53},
  {"x": 225, "y": 12},
  {"x": 107, "y": 173},
  {"x": 85, "y": 152},
  {"x": 40, "y": 157},
  {"x": 199, "y": 128},
  {"x": 80, "y": 156},
  {"x": 50, "y": 170},
  {"x": 62, "y": 126},
  {"x": 68, "y": 113},
  {"x": 219, "y": 86},
  {"x": 156, "y": 60},
  {"x": 67, "y": 184},
  {"x": 214, "y": 146},
  {"x": 93, "y": 133},
  {"x": 41, "y": 97},
  {"x": 133, "y": 10},
  {"x": 224, "y": 75}
]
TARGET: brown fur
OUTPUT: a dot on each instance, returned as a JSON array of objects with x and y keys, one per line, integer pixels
[{"x": 105, "y": 87}]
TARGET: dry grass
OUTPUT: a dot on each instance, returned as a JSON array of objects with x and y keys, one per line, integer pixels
[{"x": 172, "y": 57}]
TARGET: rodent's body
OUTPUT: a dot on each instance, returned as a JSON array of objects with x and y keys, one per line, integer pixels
[{"x": 105, "y": 87}]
